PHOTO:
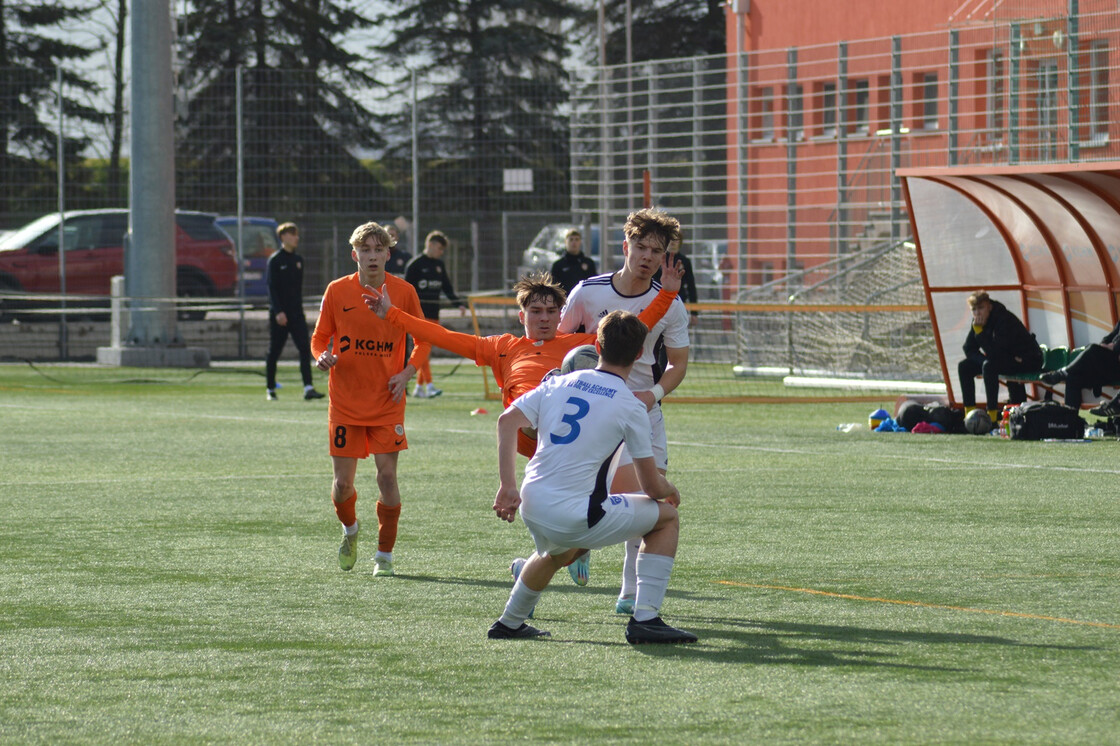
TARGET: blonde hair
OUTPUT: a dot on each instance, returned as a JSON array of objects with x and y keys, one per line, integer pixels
[
  {"x": 366, "y": 231},
  {"x": 979, "y": 298}
]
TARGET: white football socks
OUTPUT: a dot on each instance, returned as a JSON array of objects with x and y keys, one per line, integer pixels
[
  {"x": 522, "y": 599},
  {"x": 653, "y": 581}
]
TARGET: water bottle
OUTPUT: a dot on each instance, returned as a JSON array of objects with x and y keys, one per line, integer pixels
[
  {"x": 1094, "y": 432},
  {"x": 847, "y": 427}
]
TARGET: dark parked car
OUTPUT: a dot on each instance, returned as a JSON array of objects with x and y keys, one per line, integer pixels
[
  {"x": 260, "y": 243},
  {"x": 94, "y": 246}
]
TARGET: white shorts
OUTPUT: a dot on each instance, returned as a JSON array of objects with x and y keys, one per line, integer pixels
[
  {"x": 627, "y": 516},
  {"x": 657, "y": 436}
]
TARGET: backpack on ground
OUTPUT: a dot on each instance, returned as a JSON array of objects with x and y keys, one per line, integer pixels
[{"x": 1037, "y": 420}]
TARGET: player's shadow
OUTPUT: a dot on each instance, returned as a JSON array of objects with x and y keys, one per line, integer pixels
[
  {"x": 760, "y": 642},
  {"x": 559, "y": 585}
]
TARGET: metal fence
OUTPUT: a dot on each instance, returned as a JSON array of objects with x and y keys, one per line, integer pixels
[{"x": 780, "y": 163}]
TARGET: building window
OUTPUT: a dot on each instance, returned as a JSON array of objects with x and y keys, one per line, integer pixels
[
  {"x": 795, "y": 115},
  {"x": 764, "y": 113},
  {"x": 927, "y": 96},
  {"x": 995, "y": 98},
  {"x": 859, "y": 97},
  {"x": 827, "y": 104},
  {"x": 1098, "y": 92}
]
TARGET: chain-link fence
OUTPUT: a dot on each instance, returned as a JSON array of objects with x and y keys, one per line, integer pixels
[{"x": 778, "y": 162}]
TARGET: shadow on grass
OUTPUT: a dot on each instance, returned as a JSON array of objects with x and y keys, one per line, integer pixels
[
  {"x": 789, "y": 643},
  {"x": 559, "y": 584}
]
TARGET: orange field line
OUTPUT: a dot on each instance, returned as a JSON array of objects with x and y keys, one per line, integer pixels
[{"x": 921, "y": 604}]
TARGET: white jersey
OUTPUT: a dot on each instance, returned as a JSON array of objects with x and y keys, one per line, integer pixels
[
  {"x": 581, "y": 419},
  {"x": 595, "y": 297}
]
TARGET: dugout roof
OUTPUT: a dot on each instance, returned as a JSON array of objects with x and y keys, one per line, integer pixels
[{"x": 1043, "y": 240}]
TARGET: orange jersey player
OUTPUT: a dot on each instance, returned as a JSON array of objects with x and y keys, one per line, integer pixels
[
  {"x": 519, "y": 362},
  {"x": 368, "y": 376}
]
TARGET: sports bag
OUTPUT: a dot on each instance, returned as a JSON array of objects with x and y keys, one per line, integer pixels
[{"x": 1045, "y": 419}]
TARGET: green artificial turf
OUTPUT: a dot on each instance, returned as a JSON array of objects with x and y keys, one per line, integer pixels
[{"x": 169, "y": 575}]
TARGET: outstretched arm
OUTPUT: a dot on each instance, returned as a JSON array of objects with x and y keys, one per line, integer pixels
[{"x": 421, "y": 330}]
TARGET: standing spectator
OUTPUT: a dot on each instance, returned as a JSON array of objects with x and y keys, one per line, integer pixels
[
  {"x": 573, "y": 265},
  {"x": 997, "y": 344},
  {"x": 284, "y": 277},
  {"x": 398, "y": 257},
  {"x": 428, "y": 275},
  {"x": 368, "y": 378}
]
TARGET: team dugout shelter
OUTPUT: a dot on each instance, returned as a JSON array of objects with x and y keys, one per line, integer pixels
[{"x": 1042, "y": 240}]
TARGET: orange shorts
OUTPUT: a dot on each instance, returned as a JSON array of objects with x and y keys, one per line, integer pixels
[{"x": 359, "y": 441}]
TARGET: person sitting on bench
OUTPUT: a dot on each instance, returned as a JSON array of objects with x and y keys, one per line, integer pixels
[
  {"x": 997, "y": 345},
  {"x": 1098, "y": 365}
]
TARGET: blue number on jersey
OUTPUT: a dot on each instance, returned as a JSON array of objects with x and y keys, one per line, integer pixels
[{"x": 572, "y": 420}]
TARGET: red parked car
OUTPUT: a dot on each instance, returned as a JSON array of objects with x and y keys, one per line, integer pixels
[{"x": 205, "y": 265}]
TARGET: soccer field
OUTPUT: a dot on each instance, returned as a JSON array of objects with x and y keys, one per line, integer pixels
[{"x": 169, "y": 574}]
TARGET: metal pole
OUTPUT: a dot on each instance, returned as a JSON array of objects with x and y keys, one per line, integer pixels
[
  {"x": 242, "y": 343},
  {"x": 606, "y": 264},
  {"x": 842, "y": 150},
  {"x": 629, "y": 108},
  {"x": 1013, "y": 96},
  {"x": 1073, "y": 76},
  {"x": 794, "y": 104},
  {"x": 954, "y": 95},
  {"x": 415, "y": 238},
  {"x": 63, "y": 325},
  {"x": 150, "y": 259},
  {"x": 896, "y": 133}
]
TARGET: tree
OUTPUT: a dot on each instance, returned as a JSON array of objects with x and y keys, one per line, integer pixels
[
  {"x": 493, "y": 87},
  {"x": 30, "y": 60},
  {"x": 302, "y": 124},
  {"x": 660, "y": 29}
]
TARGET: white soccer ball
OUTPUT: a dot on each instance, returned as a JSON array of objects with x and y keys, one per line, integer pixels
[{"x": 580, "y": 358}]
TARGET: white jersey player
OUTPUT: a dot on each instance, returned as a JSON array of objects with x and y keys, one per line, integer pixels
[
  {"x": 648, "y": 235},
  {"x": 581, "y": 419}
]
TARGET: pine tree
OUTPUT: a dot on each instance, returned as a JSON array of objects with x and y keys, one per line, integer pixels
[
  {"x": 660, "y": 29},
  {"x": 303, "y": 127},
  {"x": 30, "y": 59},
  {"x": 492, "y": 86}
]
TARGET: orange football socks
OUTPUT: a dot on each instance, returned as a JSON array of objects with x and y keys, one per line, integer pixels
[
  {"x": 387, "y": 519},
  {"x": 346, "y": 511}
]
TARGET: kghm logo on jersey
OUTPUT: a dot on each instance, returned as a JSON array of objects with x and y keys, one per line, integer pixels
[{"x": 364, "y": 346}]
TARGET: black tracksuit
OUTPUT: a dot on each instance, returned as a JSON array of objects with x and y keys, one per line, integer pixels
[
  {"x": 1094, "y": 368},
  {"x": 285, "y": 294},
  {"x": 569, "y": 269},
  {"x": 429, "y": 277},
  {"x": 992, "y": 353}
]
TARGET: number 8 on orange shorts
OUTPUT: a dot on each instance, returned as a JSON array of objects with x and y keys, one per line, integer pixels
[{"x": 359, "y": 441}]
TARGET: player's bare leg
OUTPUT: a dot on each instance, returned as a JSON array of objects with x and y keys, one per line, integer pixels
[
  {"x": 345, "y": 498},
  {"x": 534, "y": 578},
  {"x": 388, "y": 511}
]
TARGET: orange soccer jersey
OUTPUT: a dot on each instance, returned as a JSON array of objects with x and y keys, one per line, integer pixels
[
  {"x": 519, "y": 363},
  {"x": 369, "y": 351}
]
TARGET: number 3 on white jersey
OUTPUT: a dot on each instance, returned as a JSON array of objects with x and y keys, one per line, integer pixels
[{"x": 571, "y": 419}]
